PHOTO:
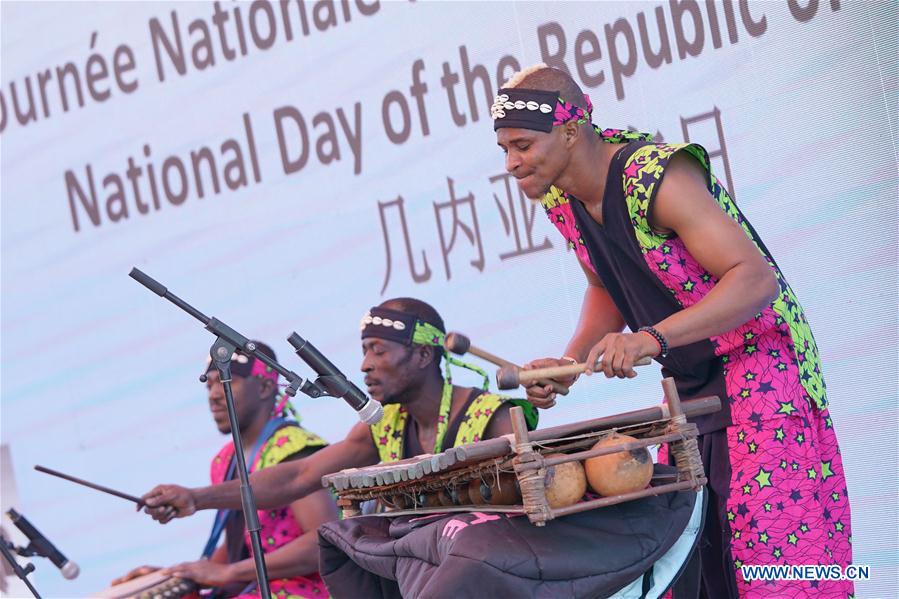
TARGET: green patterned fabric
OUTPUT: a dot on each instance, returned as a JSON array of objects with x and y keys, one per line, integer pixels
[{"x": 388, "y": 434}]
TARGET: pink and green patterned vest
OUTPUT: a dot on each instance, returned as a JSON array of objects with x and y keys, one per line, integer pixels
[
  {"x": 388, "y": 434},
  {"x": 279, "y": 526},
  {"x": 768, "y": 367}
]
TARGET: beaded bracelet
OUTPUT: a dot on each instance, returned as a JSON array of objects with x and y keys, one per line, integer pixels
[{"x": 660, "y": 339}]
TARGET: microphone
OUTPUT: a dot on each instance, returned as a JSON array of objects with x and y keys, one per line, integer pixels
[
  {"x": 43, "y": 547},
  {"x": 333, "y": 381}
]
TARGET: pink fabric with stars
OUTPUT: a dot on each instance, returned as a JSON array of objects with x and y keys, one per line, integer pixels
[
  {"x": 784, "y": 491},
  {"x": 566, "y": 111},
  {"x": 278, "y": 527},
  {"x": 263, "y": 371}
]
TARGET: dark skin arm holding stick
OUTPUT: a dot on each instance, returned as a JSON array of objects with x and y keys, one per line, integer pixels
[
  {"x": 746, "y": 284},
  {"x": 272, "y": 487}
]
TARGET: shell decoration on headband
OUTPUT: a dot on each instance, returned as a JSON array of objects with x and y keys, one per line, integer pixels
[
  {"x": 502, "y": 103},
  {"x": 384, "y": 322}
]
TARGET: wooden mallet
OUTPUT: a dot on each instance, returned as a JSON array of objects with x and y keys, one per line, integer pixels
[
  {"x": 169, "y": 510},
  {"x": 510, "y": 376},
  {"x": 460, "y": 345}
]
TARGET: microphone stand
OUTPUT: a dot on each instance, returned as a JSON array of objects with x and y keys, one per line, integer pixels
[
  {"x": 333, "y": 384},
  {"x": 21, "y": 572},
  {"x": 226, "y": 343}
]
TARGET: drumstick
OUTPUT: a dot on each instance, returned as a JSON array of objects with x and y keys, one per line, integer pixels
[
  {"x": 460, "y": 344},
  {"x": 140, "y": 502},
  {"x": 509, "y": 377}
]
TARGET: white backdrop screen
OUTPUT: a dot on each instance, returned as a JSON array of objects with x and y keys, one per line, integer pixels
[{"x": 286, "y": 166}]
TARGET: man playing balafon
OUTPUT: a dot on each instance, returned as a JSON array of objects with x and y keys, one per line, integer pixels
[
  {"x": 667, "y": 252},
  {"x": 402, "y": 345}
]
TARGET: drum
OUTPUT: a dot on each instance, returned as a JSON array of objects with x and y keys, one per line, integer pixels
[{"x": 154, "y": 585}]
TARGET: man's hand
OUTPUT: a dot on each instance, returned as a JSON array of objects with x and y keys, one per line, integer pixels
[
  {"x": 203, "y": 572},
  {"x": 165, "y": 502},
  {"x": 136, "y": 573},
  {"x": 619, "y": 351},
  {"x": 542, "y": 396}
]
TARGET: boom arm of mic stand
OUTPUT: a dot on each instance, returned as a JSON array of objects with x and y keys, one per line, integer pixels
[
  {"x": 226, "y": 343},
  {"x": 222, "y": 330}
]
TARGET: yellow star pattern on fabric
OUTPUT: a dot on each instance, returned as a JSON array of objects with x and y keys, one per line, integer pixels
[
  {"x": 826, "y": 472},
  {"x": 767, "y": 506},
  {"x": 763, "y": 538},
  {"x": 763, "y": 478},
  {"x": 792, "y": 539},
  {"x": 812, "y": 473},
  {"x": 753, "y": 447},
  {"x": 779, "y": 434},
  {"x": 786, "y": 407}
]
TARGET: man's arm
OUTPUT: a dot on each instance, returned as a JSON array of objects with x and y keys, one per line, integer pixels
[
  {"x": 272, "y": 487},
  {"x": 500, "y": 424},
  {"x": 746, "y": 283},
  {"x": 299, "y": 557},
  {"x": 599, "y": 317}
]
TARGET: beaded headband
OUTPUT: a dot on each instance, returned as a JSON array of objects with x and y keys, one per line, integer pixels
[
  {"x": 535, "y": 109},
  {"x": 392, "y": 325}
]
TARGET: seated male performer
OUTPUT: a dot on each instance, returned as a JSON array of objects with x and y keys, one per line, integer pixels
[
  {"x": 270, "y": 433},
  {"x": 402, "y": 346}
]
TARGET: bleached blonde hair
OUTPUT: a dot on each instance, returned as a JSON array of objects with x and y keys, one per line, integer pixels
[{"x": 546, "y": 78}]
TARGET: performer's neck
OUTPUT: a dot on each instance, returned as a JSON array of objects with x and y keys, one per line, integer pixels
[
  {"x": 425, "y": 407},
  {"x": 250, "y": 433},
  {"x": 586, "y": 174}
]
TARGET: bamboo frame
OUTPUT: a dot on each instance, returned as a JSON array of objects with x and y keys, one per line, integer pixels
[{"x": 416, "y": 480}]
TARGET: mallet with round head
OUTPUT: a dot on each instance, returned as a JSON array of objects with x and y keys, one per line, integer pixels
[
  {"x": 460, "y": 344},
  {"x": 511, "y": 376}
]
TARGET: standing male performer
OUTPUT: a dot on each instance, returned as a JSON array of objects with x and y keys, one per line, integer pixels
[{"x": 666, "y": 251}]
